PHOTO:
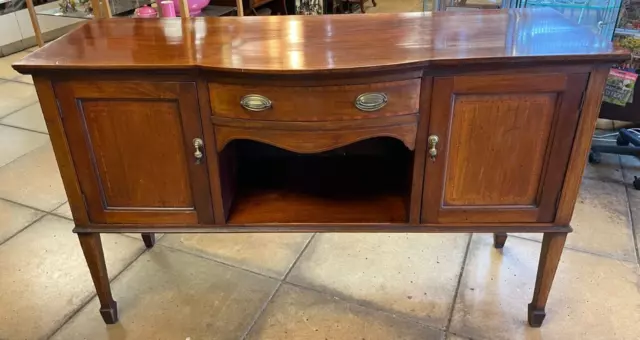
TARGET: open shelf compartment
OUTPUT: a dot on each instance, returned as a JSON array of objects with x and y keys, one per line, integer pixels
[{"x": 365, "y": 182}]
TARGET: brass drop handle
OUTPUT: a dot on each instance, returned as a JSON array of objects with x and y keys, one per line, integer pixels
[
  {"x": 371, "y": 101},
  {"x": 255, "y": 102},
  {"x": 198, "y": 144},
  {"x": 433, "y": 142}
]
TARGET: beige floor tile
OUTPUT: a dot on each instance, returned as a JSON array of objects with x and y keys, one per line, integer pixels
[
  {"x": 15, "y": 96},
  {"x": 28, "y": 118},
  {"x": 455, "y": 337},
  {"x": 25, "y": 78},
  {"x": 609, "y": 170},
  {"x": 631, "y": 168},
  {"x": 168, "y": 294},
  {"x": 269, "y": 254},
  {"x": 600, "y": 221},
  {"x": 14, "y": 218},
  {"x": 64, "y": 211},
  {"x": 45, "y": 277},
  {"x": 33, "y": 180},
  {"x": 296, "y": 313},
  {"x": 6, "y": 71},
  {"x": 409, "y": 274},
  {"x": 17, "y": 142},
  {"x": 592, "y": 297}
]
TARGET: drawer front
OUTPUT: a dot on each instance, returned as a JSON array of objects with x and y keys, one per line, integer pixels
[
  {"x": 321, "y": 103},
  {"x": 314, "y": 141}
]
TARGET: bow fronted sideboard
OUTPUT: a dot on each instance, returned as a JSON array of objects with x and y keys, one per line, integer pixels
[{"x": 446, "y": 122}]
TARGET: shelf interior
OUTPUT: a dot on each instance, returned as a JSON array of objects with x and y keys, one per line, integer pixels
[{"x": 367, "y": 182}]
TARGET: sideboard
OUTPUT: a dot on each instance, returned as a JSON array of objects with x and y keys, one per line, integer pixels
[{"x": 447, "y": 122}]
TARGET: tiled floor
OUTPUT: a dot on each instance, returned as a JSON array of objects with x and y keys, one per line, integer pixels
[{"x": 302, "y": 286}]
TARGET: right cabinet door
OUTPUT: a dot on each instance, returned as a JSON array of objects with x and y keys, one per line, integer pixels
[{"x": 503, "y": 143}]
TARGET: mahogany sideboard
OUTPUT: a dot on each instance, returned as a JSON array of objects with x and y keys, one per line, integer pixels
[{"x": 445, "y": 122}]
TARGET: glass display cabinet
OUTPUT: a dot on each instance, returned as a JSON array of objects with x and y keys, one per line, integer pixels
[{"x": 600, "y": 16}]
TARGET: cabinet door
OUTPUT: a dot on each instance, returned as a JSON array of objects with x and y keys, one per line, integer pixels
[
  {"x": 503, "y": 146},
  {"x": 132, "y": 146}
]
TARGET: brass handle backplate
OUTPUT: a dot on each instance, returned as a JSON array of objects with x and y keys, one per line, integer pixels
[
  {"x": 198, "y": 144},
  {"x": 433, "y": 142},
  {"x": 371, "y": 101},
  {"x": 255, "y": 102}
]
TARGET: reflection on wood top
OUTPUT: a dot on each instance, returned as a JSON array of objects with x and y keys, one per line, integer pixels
[{"x": 298, "y": 44}]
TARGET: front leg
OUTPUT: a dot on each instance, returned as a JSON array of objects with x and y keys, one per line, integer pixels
[
  {"x": 552, "y": 245},
  {"x": 499, "y": 239},
  {"x": 149, "y": 239},
  {"x": 92, "y": 249}
]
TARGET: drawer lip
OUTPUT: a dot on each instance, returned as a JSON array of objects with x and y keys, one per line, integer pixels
[
  {"x": 342, "y": 125},
  {"x": 311, "y": 140},
  {"x": 314, "y": 103}
]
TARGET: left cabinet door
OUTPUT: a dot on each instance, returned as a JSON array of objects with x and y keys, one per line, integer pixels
[{"x": 132, "y": 144}]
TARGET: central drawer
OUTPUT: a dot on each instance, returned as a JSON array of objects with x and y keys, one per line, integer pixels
[{"x": 316, "y": 103}]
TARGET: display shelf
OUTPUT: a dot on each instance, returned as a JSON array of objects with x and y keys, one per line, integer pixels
[
  {"x": 628, "y": 32},
  {"x": 340, "y": 186}
]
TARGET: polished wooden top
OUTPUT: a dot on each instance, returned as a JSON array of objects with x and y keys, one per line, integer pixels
[{"x": 299, "y": 44}]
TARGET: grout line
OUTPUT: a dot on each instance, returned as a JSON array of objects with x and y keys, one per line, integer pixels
[
  {"x": 578, "y": 250},
  {"x": 455, "y": 294},
  {"x": 275, "y": 291},
  {"x": 94, "y": 295},
  {"x": 18, "y": 81},
  {"x": 20, "y": 127},
  {"x": 24, "y": 155},
  {"x": 295, "y": 262},
  {"x": 261, "y": 311},
  {"x": 367, "y": 306},
  {"x": 23, "y": 229},
  {"x": 634, "y": 237},
  {"x": 30, "y": 207},
  {"x": 45, "y": 214},
  {"x": 457, "y": 335},
  {"x": 20, "y": 108},
  {"x": 344, "y": 299},
  {"x": 215, "y": 260}
]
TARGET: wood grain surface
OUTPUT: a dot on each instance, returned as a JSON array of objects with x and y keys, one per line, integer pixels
[{"x": 302, "y": 44}]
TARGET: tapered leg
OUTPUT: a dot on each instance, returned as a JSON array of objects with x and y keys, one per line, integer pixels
[
  {"x": 552, "y": 245},
  {"x": 374, "y": 3},
  {"x": 149, "y": 239},
  {"x": 499, "y": 239},
  {"x": 362, "y": 6},
  {"x": 92, "y": 249}
]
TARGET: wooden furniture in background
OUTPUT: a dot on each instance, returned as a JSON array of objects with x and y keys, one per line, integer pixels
[
  {"x": 321, "y": 133},
  {"x": 359, "y": 2}
]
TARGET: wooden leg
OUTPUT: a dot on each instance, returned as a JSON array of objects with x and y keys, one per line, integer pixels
[
  {"x": 362, "y": 6},
  {"x": 374, "y": 3},
  {"x": 92, "y": 249},
  {"x": 499, "y": 239},
  {"x": 552, "y": 245},
  {"x": 149, "y": 239}
]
